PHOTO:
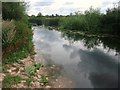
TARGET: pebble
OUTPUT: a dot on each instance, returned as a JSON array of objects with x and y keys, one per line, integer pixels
[
  {"x": 38, "y": 76},
  {"x": 13, "y": 69},
  {"x": 48, "y": 86},
  {"x": 9, "y": 70}
]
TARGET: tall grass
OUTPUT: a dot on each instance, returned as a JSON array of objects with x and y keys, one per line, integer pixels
[
  {"x": 8, "y": 32},
  {"x": 17, "y": 40},
  {"x": 88, "y": 21}
]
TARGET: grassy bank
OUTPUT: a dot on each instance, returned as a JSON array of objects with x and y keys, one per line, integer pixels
[{"x": 16, "y": 41}]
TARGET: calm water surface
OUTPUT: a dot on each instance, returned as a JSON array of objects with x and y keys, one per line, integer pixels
[{"x": 89, "y": 62}]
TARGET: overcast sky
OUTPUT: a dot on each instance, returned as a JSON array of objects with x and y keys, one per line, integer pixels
[{"x": 65, "y": 7}]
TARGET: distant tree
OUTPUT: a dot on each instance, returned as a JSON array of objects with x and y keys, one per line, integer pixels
[
  {"x": 52, "y": 15},
  {"x": 71, "y": 14},
  {"x": 56, "y": 15},
  {"x": 39, "y": 14}
]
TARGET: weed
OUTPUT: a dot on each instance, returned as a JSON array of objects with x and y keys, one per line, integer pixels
[
  {"x": 29, "y": 80},
  {"x": 11, "y": 80},
  {"x": 44, "y": 79},
  {"x": 37, "y": 66},
  {"x": 30, "y": 70}
]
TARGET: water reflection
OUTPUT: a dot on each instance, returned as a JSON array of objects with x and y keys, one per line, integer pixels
[
  {"x": 102, "y": 69},
  {"x": 88, "y": 61},
  {"x": 91, "y": 42}
]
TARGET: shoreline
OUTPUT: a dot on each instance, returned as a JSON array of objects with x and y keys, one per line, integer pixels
[{"x": 18, "y": 69}]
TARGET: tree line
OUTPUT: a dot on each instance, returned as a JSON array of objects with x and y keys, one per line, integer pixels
[{"x": 91, "y": 20}]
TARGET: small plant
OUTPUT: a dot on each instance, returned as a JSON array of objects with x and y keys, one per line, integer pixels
[
  {"x": 37, "y": 66},
  {"x": 11, "y": 80},
  {"x": 44, "y": 79},
  {"x": 29, "y": 80},
  {"x": 30, "y": 70}
]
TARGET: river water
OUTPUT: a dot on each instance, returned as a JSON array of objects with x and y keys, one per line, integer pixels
[{"x": 90, "y": 62}]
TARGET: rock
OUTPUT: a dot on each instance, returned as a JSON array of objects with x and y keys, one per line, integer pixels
[
  {"x": 48, "y": 86},
  {"x": 47, "y": 78},
  {"x": 37, "y": 84},
  {"x": 35, "y": 78},
  {"x": 9, "y": 70},
  {"x": 15, "y": 64},
  {"x": 42, "y": 84},
  {"x": 23, "y": 81},
  {"x": 38, "y": 71},
  {"x": 21, "y": 69},
  {"x": 56, "y": 79},
  {"x": 13, "y": 73},
  {"x": 13, "y": 68},
  {"x": 53, "y": 65},
  {"x": 59, "y": 86},
  {"x": 39, "y": 76}
]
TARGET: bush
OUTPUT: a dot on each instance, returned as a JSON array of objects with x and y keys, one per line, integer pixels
[
  {"x": 8, "y": 32},
  {"x": 17, "y": 41}
]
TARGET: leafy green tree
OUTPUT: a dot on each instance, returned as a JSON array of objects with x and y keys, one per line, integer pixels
[{"x": 12, "y": 10}]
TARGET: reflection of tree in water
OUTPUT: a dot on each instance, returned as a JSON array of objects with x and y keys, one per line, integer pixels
[
  {"x": 91, "y": 42},
  {"x": 54, "y": 69},
  {"x": 102, "y": 69}
]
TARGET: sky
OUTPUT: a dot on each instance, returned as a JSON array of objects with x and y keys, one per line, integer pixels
[{"x": 65, "y": 7}]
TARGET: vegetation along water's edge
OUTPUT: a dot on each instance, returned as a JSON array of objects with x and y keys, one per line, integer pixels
[
  {"x": 19, "y": 68},
  {"x": 18, "y": 65},
  {"x": 91, "y": 21}
]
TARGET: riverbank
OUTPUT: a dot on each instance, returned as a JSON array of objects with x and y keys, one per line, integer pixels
[
  {"x": 89, "y": 34},
  {"x": 29, "y": 74}
]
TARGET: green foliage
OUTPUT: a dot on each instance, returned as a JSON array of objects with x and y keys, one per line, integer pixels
[
  {"x": 44, "y": 79},
  {"x": 13, "y": 10},
  {"x": 82, "y": 22},
  {"x": 111, "y": 21},
  {"x": 15, "y": 55},
  {"x": 8, "y": 32},
  {"x": 11, "y": 80},
  {"x": 54, "y": 21},
  {"x": 74, "y": 23},
  {"x": 30, "y": 70},
  {"x": 35, "y": 20},
  {"x": 37, "y": 66},
  {"x": 29, "y": 80},
  {"x": 17, "y": 37},
  {"x": 20, "y": 45}
]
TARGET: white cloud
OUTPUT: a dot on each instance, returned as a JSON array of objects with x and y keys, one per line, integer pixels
[{"x": 65, "y": 7}]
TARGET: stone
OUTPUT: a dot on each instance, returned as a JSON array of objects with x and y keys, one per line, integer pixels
[
  {"x": 13, "y": 73},
  {"x": 9, "y": 70},
  {"x": 35, "y": 78},
  {"x": 48, "y": 86},
  {"x": 13, "y": 68}
]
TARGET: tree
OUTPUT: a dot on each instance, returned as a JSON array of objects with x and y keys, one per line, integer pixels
[
  {"x": 39, "y": 14},
  {"x": 12, "y": 10}
]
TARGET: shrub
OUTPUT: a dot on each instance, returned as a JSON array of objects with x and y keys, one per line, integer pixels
[{"x": 8, "y": 32}]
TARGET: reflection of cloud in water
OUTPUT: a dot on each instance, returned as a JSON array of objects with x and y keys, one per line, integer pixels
[
  {"x": 48, "y": 36},
  {"x": 67, "y": 47},
  {"x": 102, "y": 69},
  {"x": 72, "y": 49}
]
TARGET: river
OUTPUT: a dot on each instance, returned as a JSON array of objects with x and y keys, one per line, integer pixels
[{"x": 89, "y": 62}]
